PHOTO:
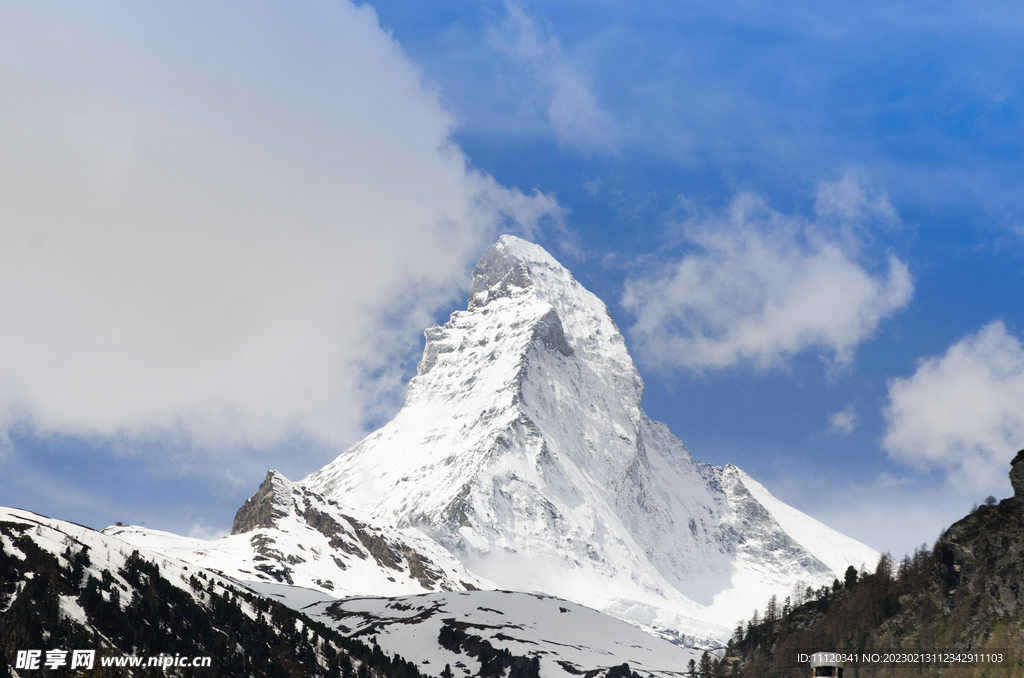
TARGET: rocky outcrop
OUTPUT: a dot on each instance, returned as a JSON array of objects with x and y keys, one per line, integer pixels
[
  {"x": 258, "y": 510},
  {"x": 983, "y": 553},
  {"x": 1017, "y": 480}
]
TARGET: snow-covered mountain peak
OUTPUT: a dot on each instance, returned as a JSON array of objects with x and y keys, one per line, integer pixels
[
  {"x": 519, "y": 295},
  {"x": 505, "y": 268},
  {"x": 523, "y": 450}
]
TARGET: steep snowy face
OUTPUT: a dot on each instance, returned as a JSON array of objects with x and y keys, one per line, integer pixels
[
  {"x": 522, "y": 430},
  {"x": 523, "y": 449},
  {"x": 487, "y": 390}
]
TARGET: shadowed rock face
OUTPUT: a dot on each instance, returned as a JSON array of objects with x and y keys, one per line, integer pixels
[
  {"x": 495, "y": 273},
  {"x": 1017, "y": 480},
  {"x": 984, "y": 552},
  {"x": 258, "y": 510},
  {"x": 278, "y": 501}
]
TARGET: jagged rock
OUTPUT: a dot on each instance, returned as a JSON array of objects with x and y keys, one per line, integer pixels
[
  {"x": 984, "y": 551},
  {"x": 258, "y": 510},
  {"x": 288, "y": 534},
  {"x": 1017, "y": 480}
]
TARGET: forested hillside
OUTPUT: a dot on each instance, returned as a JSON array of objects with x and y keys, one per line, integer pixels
[
  {"x": 69, "y": 601},
  {"x": 963, "y": 595}
]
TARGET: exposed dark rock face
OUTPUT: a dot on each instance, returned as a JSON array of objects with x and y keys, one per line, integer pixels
[
  {"x": 549, "y": 332},
  {"x": 258, "y": 510},
  {"x": 984, "y": 551},
  {"x": 1017, "y": 480},
  {"x": 386, "y": 553},
  {"x": 421, "y": 568}
]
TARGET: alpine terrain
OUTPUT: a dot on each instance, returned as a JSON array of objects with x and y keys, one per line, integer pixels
[
  {"x": 523, "y": 460},
  {"x": 523, "y": 449}
]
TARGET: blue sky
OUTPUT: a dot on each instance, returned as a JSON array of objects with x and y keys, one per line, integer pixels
[{"x": 225, "y": 227}]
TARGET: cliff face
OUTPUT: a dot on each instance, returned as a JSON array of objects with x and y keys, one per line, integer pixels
[
  {"x": 982, "y": 552},
  {"x": 258, "y": 510}
]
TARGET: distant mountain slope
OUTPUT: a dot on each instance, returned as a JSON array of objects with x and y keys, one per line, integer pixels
[
  {"x": 287, "y": 534},
  {"x": 450, "y": 628}
]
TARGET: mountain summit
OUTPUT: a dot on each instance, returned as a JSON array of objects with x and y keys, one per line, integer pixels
[
  {"x": 523, "y": 450},
  {"x": 522, "y": 460}
]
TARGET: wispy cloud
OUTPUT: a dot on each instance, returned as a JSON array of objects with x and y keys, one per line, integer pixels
[
  {"x": 569, "y": 101},
  {"x": 233, "y": 244},
  {"x": 844, "y": 421},
  {"x": 205, "y": 532},
  {"x": 759, "y": 287},
  {"x": 962, "y": 412}
]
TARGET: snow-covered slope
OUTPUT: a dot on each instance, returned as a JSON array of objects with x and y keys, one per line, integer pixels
[
  {"x": 66, "y": 588},
  {"x": 568, "y": 639},
  {"x": 287, "y": 534},
  {"x": 106, "y": 553},
  {"x": 523, "y": 450}
]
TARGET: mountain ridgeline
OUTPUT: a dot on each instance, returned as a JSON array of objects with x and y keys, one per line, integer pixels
[{"x": 64, "y": 587}]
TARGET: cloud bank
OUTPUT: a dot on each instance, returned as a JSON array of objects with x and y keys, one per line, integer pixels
[
  {"x": 226, "y": 223},
  {"x": 758, "y": 287},
  {"x": 962, "y": 412}
]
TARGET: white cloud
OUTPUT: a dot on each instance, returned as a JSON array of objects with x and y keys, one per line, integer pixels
[
  {"x": 571, "y": 107},
  {"x": 760, "y": 287},
  {"x": 962, "y": 412},
  {"x": 844, "y": 421},
  {"x": 223, "y": 222},
  {"x": 888, "y": 513},
  {"x": 892, "y": 517}
]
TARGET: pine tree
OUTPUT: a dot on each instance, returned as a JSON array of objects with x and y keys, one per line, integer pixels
[{"x": 704, "y": 668}]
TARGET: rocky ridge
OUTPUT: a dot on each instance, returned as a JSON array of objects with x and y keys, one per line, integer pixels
[{"x": 287, "y": 534}]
